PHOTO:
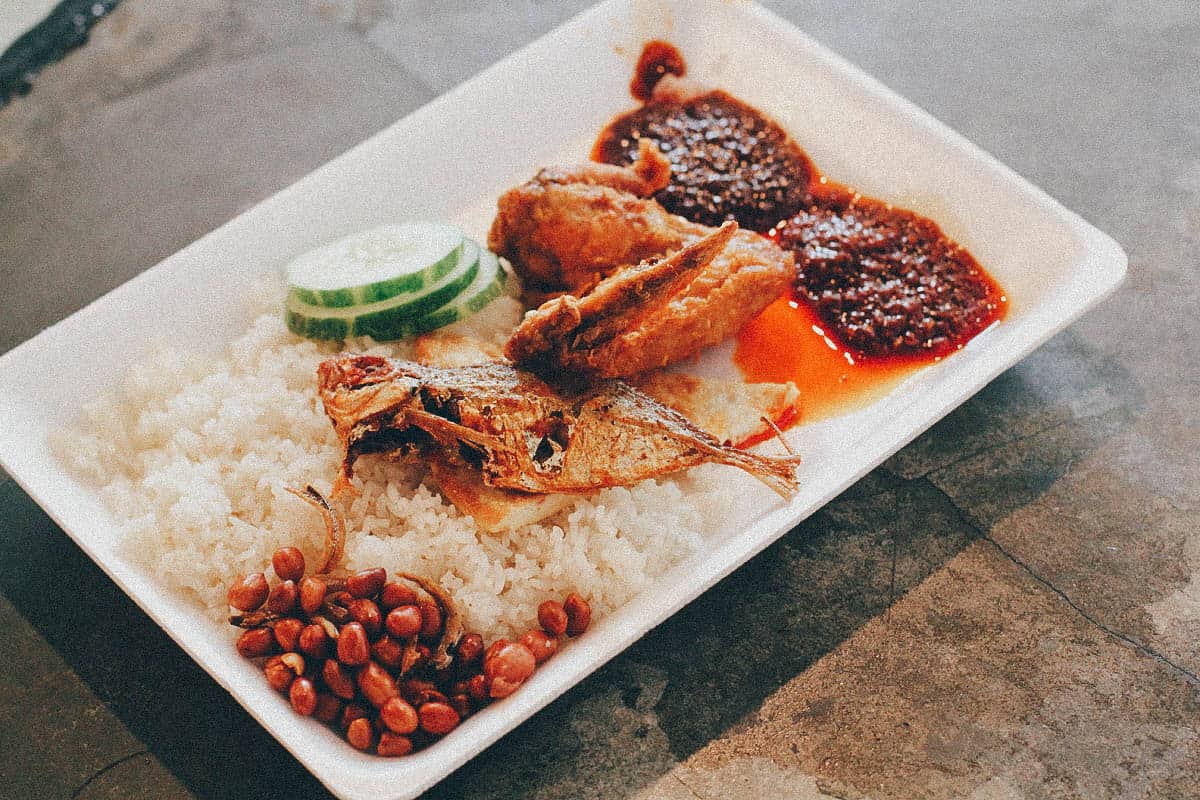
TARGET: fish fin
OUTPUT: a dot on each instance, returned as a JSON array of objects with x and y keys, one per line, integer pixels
[{"x": 448, "y": 432}]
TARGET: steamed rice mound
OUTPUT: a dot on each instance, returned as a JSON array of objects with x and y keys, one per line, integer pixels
[{"x": 193, "y": 456}]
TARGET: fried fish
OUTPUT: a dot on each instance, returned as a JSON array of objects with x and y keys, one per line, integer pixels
[{"x": 518, "y": 431}]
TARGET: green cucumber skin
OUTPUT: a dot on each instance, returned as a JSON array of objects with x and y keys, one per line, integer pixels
[
  {"x": 493, "y": 290},
  {"x": 398, "y": 322},
  {"x": 329, "y": 328},
  {"x": 377, "y": 323},
  {"x": 381, "y": 290},
  {"x": 469, "y": 305},
  {"x": 417, "y": 307}
]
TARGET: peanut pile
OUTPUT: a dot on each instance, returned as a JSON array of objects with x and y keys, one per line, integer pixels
[{"x": 386, "y": 664}]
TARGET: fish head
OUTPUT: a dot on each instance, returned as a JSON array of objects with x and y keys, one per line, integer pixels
[
  {"x": 364, "y": 394},
  {"x": 349, "y": 372}
]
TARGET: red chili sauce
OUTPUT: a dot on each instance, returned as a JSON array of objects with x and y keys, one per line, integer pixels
[
  {"x": 658, "y": 59},
  {"x": 879, "y": 290},
  {"x": 727, "y": 160}
]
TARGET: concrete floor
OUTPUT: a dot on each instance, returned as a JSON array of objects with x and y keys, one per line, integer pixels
[{"x": 1010, "y": 607}]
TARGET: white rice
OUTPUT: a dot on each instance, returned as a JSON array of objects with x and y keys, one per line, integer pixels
[{"x": 194, "y": 454}]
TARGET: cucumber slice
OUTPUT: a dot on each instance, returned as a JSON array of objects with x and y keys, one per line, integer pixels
[
  {"x": 375, "y": 265},
  {"x": 488, "y": 285},
  {"x": 388, "y": 319}
]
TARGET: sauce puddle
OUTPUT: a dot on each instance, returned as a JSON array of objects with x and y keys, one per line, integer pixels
[
  {"x": 879, "y": 290},
  {"x": 788, "y": 342}
]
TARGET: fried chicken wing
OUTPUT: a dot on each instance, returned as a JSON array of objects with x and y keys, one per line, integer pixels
[
  {"x": 571, "y": 226},
  {"x": 570, "y": 231},
  {"x": 587, "y": 335}
]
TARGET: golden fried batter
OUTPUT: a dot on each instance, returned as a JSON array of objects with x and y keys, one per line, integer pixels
[{"x": 568, "y": 230}]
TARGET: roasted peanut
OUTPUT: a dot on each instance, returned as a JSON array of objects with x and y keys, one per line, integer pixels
[
  {"x": 540, "y": 644},
  {"x": 398, "y": 715},
  {"x": 288, "y": 563},
  {"x": 256, "y": 642},
  {"x": 294, "y": 662},
  {"x": 495, "y": 647},
  {"x": 249, "y": 593},
  {"x": 351, "y": 712},
  {"x": 388, "y": 651},
  {"x": 507, "y": 668},
  {"x": 404, "y": 622},
  {"x": 552, "y": 617},
  {"x": 358, "y": 634},
  {"x": 312, "y": 594},
  {"x": 303, "y": 695},
  {"x": 282, "y": 599},
  {"x": 353, "y": 648},
  {"x": 338, "y": 679},
  {"x": 477, "y": 687},
  {"x": 469, "y": 649},
  {"x": 391, "y": 744},
  {"x": 431, "y": 619},
  {"x": 287, "y": 632},
  {"x": 579, "y": 614},
  {"x": 279, "y": 675},
  {"x": 313, "y": 641},
  {"x": 367, "y": 582},
  {"x": 376, "y": 685},
  {"x": 438, "y": 718},
  {"x": 366, "y": 613},
  {"x": 360, "y": 734},
  {"x": 395, "y": 595}
]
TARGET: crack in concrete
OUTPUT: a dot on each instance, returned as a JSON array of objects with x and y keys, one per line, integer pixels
[
  {"x": 684, "y": 784},
  {"x": 1185, "y": 673},
  {"x": 1190, "y": 677},
  {"x": 984, "y": 449},
  {"x": 106, "y": 768},
  {"x": 892, "y": 579}
]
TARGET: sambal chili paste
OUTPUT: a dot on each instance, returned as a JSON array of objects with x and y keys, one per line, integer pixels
[{"x": 884, "y": 284}]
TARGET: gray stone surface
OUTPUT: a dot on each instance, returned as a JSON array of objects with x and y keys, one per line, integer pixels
[
  {"x": 980, "y": 684},
  {"x": 62, "y": 734},
  {"x": 1010, "y": 607}
]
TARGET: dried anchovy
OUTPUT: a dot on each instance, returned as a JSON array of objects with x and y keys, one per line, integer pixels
[
  {"x": 410, "y": 656},
  {"x": 452, "y": 626},
  {"x": 336, "y": 611},
  {"x": 255, "y": 619},
  {"x": 335, "y": 527}
]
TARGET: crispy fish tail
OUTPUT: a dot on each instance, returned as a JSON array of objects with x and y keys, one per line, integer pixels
[{"x": 778, "y": 472}]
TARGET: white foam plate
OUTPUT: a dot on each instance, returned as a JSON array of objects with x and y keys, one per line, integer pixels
[{"x": 452, "y": 158}]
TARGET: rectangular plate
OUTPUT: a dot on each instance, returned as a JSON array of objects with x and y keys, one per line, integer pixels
[{"x": 544, "y": 105}]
